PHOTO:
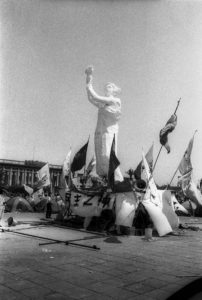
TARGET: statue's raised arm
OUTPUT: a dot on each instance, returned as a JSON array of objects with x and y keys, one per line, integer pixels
[
  {"x": 109, "y": 112},
  {"x": 110, "y": 90}
]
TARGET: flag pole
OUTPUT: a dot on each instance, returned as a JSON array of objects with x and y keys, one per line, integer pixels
[
  {"x": 172, "y": 178},
  {"x": 157, "y": 158},
  {"x": 51, "y": 183},
  {"x": 178, "y": 103}
]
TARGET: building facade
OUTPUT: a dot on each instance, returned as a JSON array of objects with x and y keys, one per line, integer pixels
[{"x": 17, "y": 173}]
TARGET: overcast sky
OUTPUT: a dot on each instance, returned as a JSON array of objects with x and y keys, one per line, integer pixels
[{"x": 151, "y": 49}]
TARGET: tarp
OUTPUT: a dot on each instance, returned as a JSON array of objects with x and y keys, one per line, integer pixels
[
  {"x": 163, "y": 215},
  {"x": 126, "y": 204},
  {"x": 193, "y": 193},
  {"x": 168, "y": 208},
  {"x": 18, "y": 203},
  {"x": 178, "y": 208},
  {"x": 159, "y": 219}
]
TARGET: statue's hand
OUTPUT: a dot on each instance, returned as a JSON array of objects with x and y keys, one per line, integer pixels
[{"x": 89, "y": 70}]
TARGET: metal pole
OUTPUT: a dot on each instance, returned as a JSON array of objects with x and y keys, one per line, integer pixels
[
  {"x": 172, "y": 178},
  {"x": 157, "y": 159},
  {"x": 53, "y": 240},
  {"x": 178, "y": 103}
]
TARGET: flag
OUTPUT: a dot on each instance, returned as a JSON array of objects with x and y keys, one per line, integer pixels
[
  {"x": 184, "y": 180},
  {"x": 169, "y": 127},
  {"x": 193, "y": 193},
  {"x": 138, "y": 171},
  {"x": 66, "y": 164},
  {"x": 149, "y": 158},
  {"x": 90, "y": 166},
  {"x": 63, "y": 182},
  {"x": 37, "y": 196},
  {"x": 189, "y": 189},
  {"x": 185, "y": 165},
  {"x": 113, "y": 164},
  {"x": 79, "y": 159},
  {"x": 64, "y": 178},
  {"x": 28, "y": 189},
  {"x": 43, "y": 176},
  {"x": 152, "y": 189},
  {"x": 185, "y": 168}
]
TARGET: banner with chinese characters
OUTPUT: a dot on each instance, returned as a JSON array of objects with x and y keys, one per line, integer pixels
[
  {"x": 123, "y": 204},
  {"x": 91, "y": 205}
]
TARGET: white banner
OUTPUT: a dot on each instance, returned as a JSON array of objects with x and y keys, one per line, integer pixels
[
  {"x": 126, "y": 205},
  {"x": 44, "y": 175},
  {"x": 89, "y": 206}
]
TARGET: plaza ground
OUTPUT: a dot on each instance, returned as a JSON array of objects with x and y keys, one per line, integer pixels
[{"x": 99, "y": 267}]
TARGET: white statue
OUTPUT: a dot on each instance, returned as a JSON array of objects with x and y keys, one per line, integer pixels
[{"x": 109, "y": 112}]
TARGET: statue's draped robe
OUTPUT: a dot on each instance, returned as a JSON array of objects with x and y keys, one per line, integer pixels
[{"x": 107, "y": 127}]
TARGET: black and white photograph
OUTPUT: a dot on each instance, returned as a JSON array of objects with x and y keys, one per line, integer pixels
[{"x": 100, "y": 149}]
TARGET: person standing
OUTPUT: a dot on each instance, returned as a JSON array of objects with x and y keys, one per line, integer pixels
[
  {"x": 48, "y": 206},
  {"x": 2, "y": 209}
]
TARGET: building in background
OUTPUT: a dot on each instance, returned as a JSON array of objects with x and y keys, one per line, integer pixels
[{"x": 17, "y": 173}]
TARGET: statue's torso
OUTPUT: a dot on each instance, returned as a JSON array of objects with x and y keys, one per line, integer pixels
[{"x": 108, "y": 116}]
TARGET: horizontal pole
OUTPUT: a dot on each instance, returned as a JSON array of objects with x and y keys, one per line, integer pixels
[{"x": 53, "y": 240}]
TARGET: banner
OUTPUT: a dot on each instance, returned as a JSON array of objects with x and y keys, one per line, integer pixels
[
  {"x": 126, "y": 205},
  {"x": 66, "y": 164},
  {"x": 44, "y": 176},
  {"x": 92, "y": 205},
  {"x": 28, "y": 189}
]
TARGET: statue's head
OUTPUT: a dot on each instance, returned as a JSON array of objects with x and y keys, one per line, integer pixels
[{"x": 111, "y": 89}]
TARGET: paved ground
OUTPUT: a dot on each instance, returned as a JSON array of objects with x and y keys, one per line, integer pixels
[{"x": 125, "y": 267}]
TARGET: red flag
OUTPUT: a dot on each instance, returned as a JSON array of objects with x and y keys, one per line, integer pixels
[
  {"x": 113, "y": 164},
  {"x": 79, "y": 160},
  {"x": 169, "y": 127}
]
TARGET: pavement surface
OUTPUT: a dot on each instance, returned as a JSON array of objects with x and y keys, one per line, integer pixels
[{"x": 93, "y": 266}]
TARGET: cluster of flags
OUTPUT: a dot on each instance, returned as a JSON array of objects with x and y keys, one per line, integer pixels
[
  {"x": 43, "y": 180},
  {"x": 79, "y": 161},
  {"x": 185, "y": 167},
  {"x": 146, "y": 165}
]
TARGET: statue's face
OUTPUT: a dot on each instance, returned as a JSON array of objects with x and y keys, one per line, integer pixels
[{"x": 109, "y": 89}]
